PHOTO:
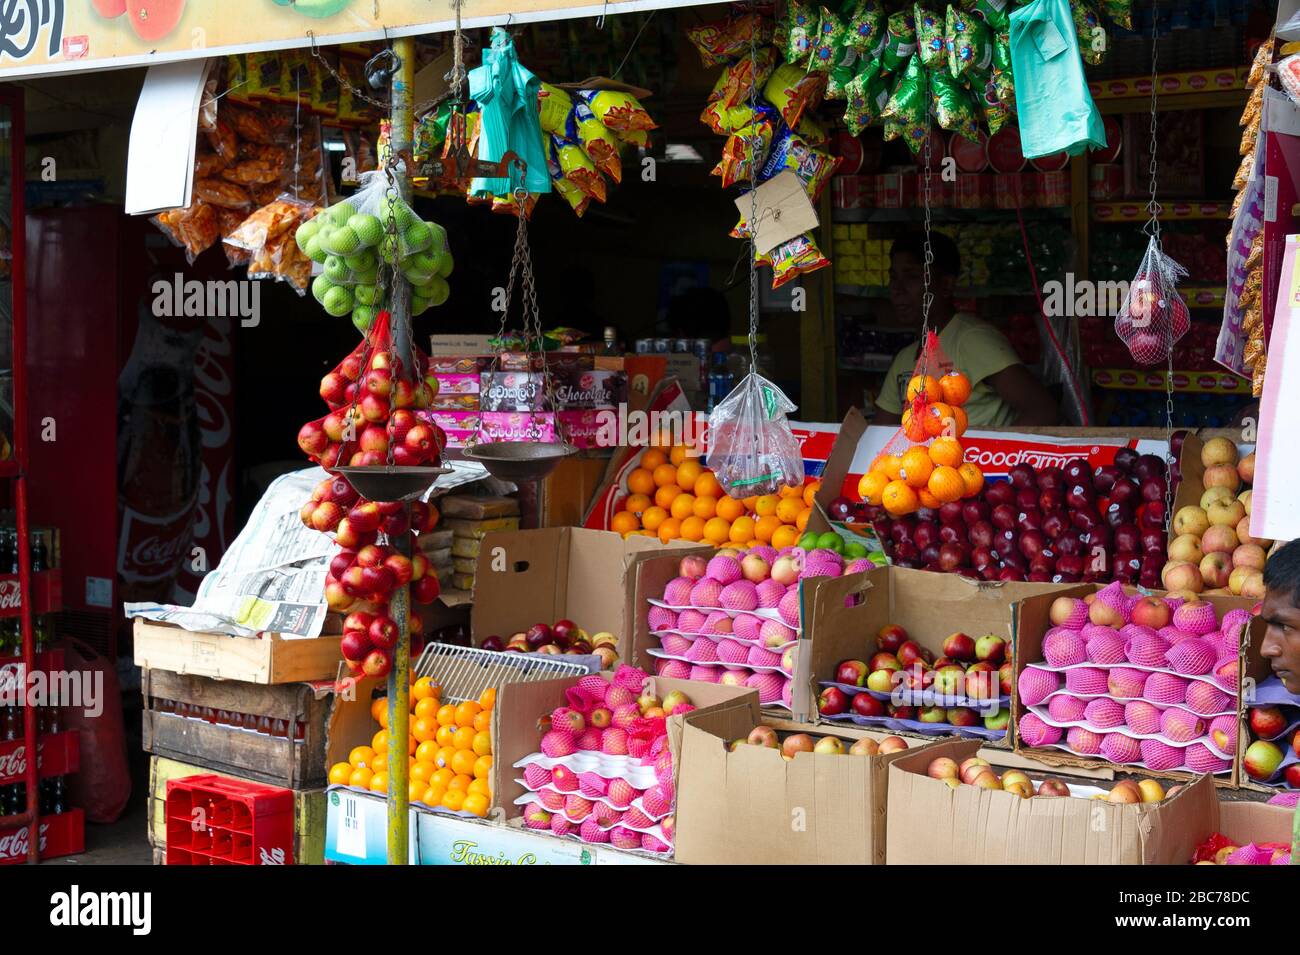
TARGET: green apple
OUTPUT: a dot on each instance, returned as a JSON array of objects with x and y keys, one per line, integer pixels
[
  {"x": 338, "y": 301},
  {"x": 368, "y": 228},
  {"x": 362, "y": 317},
  {"x": 319, "y": 286}
]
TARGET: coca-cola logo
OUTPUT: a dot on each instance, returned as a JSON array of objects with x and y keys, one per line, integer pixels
[
  {"x": 14, "y": 845},
  {"x": 11, "y": 595},
  {"x": 15, "y": 763},
  {"x": 162, "y": 552}
]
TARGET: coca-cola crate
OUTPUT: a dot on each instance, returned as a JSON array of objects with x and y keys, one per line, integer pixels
[
  {"x": 278, "y": 738},
  {"x": 47, "y": 593},
  {"x": 61, "y": 835},
  {"x": 44, "y": 662},
  {"x": 216, "y": 820},
  {"x": 58, "y": 754},
  {"x": 266, "y": 658}
]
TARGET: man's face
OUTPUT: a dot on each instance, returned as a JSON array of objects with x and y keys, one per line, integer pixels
[
  {"x": 907, "y": 285},
  {"x": 1281, "y": 646}
]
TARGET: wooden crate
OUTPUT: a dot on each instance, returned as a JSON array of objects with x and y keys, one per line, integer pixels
[
  {"x": 308, "y": 813},
  {"x": 268, "y": 658},
  {"x": 277, "y": 760}
]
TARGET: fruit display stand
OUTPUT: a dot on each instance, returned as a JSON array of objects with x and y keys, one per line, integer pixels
[
  {"x": 268, "y": 658},
  {"x": 933, "y": 822},
  {"x": 308, "y": 843},
  {"x": 1109, "y": 710}
]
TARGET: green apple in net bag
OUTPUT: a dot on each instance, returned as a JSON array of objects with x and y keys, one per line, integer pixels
[
  {"x": 363, "y": 317},
  {"x": 340, "y": 212},
  {"x": 365, "y": 294},
  {"x": 319, "y": 286},
  {"x": 338, "y": 301},
  {"x": 437, "y": 291},
  {"x": 337, "y": 270},
  {"x": 362, "y": 262},
  {"x": 368, "y": 228}
]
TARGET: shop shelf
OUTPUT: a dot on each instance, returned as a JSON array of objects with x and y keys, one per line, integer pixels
[
  {"x": 1135, "y": 210},
  {"x": 946, "y": 214},
  {"x": 216, "y": 820},
  {"x": 1193, "y": 89},
  {"x": 1130, "y": 379}
]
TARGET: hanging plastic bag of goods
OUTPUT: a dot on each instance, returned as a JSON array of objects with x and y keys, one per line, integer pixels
[
  {"x": 1153, "y": 315},
  {"x": 507, "y": 95},
  {"x": 751, "y": 447}
]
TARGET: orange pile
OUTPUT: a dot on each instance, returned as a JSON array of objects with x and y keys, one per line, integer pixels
[
  {"x": 673, "y": 496},
  {"x": 926, "y": 475},
  {"x": 449, "y": 748}
]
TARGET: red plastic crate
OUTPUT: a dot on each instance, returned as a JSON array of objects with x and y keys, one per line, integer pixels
[
  {"x": 61, "y": 835},
  {"x": 216, "y": 820},
  {"x": 47, "y": 593},
  {"x": 57, "y": 754}
]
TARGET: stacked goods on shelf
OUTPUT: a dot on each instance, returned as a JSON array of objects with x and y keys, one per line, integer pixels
[
  {"x": 1152, "y": 682},
  {"x": 526, "y": 397},
  {"x": 861, "y": 254},
  {"x": 470, "y": 519},
  {"x": 455, "y": 406},
  {"x": 735, "y": 619},
  {"x": 450, "y": 747},
  {"x": 1210, "y": 545},
  {"x": 965, "y": 692}
]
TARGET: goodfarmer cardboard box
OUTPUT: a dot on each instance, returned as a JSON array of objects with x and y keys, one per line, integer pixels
[
  {"x": 752, "y": 807},
  {"x": 932, "y": 824}
]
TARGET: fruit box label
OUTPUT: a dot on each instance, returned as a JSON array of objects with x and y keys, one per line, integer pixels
[{"x": 512, "y": 391}]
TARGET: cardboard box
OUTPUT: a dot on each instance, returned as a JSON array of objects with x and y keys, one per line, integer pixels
[
  {"x": 356, "y": 828},
  {"x": 931, "y": 824},
  {"x": 519, "y": 706},
  {"x": 1254, "y": 671},
  {"x": 449, "y": 840},
  {"x": 1032, "y": 623},
  {"x": 752, "y": 807},
  {"x": 453, "y": 346},
  {"x": 1244, "y": 822}
]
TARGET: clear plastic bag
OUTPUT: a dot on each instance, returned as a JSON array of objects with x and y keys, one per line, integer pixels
[
  {"x": 751, "y": 448},
  {"x": 1153, "y": 315}
]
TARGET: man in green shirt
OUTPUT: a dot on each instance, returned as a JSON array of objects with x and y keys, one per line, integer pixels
[{"x": 1003, "y": 391}]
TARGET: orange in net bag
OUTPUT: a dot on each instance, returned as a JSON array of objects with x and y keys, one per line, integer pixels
[{"x": 923, "y": 464}]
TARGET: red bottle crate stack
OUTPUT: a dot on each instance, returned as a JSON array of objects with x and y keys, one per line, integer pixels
[{"x": 216, "y": 820}]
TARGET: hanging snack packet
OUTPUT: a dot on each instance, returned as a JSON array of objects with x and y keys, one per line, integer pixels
[
  {"x": 575, "y": 197},
  {"x": 909, "y": 106},
  {"x": 801, "y": 30},
  {"x": 553, "y": 108},
  {"x": 953, "y": 106},
  {"x": 738, "y": 80},
  {"x": 599, "y": 142},
  {"x": 812, "y": 131},
  {"x": 1119, "y": 12},
  {"x": 867, "y": 27},
  {"x": 1002, "y": 51},
  {"x": 829, "y": 41},
  {"x": 576, "y": 166},
  {"x": 194, "y": 228},
  {"x": 1004, "y": 86},
  {"x": 996, "y": 113},
  {"x": 639, "y": 138},
  {"x": 992, "y": 12},
  {"x": 970, "y": 43},
  {"x": 789, "y": 260},
  {"x": 930, "y": 41},
  {"x": 1093, "y": 41},
  {"x": 813, "y": 168},
  {"x": 792, "y": 90},
  {"x": 723, "y": 40},
  {"x": 743, "y": 153},
  {"x": 1259, "y": 65},
  {"x": 867, "y": 94},
  {"x": 900, "y": 41},
  {"x": 617, "y": 110}
]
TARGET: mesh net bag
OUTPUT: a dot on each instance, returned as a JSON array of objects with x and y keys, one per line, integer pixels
[
  {"x": 1153, "y": 316},
  {"x": 751, "y": 447}
]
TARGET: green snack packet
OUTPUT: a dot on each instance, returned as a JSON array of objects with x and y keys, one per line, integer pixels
[
  {"x": 801, "y": 31},
  {"x": 1002, "y": 51},
  {"x": 992, "y": 12},
  {"x": 1004, "y": 88},
  {"x": 867, "y": 27},
  {"x": 1119, "y": 12},
  {"x": 930, "y": 42},
  {"x": 953, "y": 106},
  {"x": 828, "y": 47},
  {"x": 900, "y": 41},
  {"x": 996, "y": 113},
  {"x": 909, "y": 106},
  {"x": 867, "y": 93},
  {"x": 970, "y": 43},
  {"x": 1093, "y": 39}
]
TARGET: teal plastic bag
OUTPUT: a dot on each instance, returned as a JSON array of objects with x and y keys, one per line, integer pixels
[
  {"x": 1055, "y": 109},
  {"x": 507, "y": 94}
]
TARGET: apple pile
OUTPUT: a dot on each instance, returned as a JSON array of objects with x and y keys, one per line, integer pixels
[
  {"x": 980, "y": 773},
  {"x": 1274, "y": 753},
  {"x": 796, "y": 743},
  {"x": 734, "y": 618},
  {"x": 604, "y": 772},
  {"x": 1062, "y": 525},
  {"x": 563, "y": 636},
  {"x": 1140, "y": 681},
  {"x": 903, "y": 686},
  {"x": 1213, "y": 550},
  {"x": 1218, "y": 849}
]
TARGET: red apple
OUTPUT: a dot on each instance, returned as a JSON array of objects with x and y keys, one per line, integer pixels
[
  {"x": 355, "y": 645},
  {"x": 864, "y": 704},
  {"x": 832, "y": 701},
  {"x": 891, "y": 637},
  {"x": 377, "y": 663},
  {"x": 426, "y": 589},
  {"x": 990, "y": 649},
  {"x": 1267, "y": 722},
  {"x": 910, "y": 653},
  {"x": 959, "y": 646},
  {"x": 383, "y": 632},
  {"x": 852, "y": 673}
]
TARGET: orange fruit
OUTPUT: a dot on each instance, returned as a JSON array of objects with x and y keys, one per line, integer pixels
[
  {"x": 340, "y": 773},
  {"x": 683, "y": 505},
  {"x": 427, "y": 708},
  {"x": 447, "y": 714},
  {"x": 706, "y": 485},
  {"x": 704, "y": 506},
  {"x": 871, "y": 485},
  {"x": 423, "y": 772},
  {"x": 664, "y": 475},
  {"x": 480, "y": 786},
  {"x": 442, "y": 777},
  {"x": 475, "y": 804},
  {"x": 466, "y": 712},
  {"x": 750, "y": 503},
  {"x": 670, "y": 530},
  {"x": 453, "y": 799},
  {"x": 927, "y": 499},
  {"x": 424, "y": 688},
  {"x": 946, "y": 484},
  {"x": 361, "y": 777},
  {"x": 679, "y": 454},
  {"x": 488, "y": 698},
  {"x": 482, "y": 767},
  {"x": 924, "y": 384},
  {"x": 916, "y": 466},
  {"x": 444, "y": 736},
  {"x": 378, "y": 783},
  {"x": 665, "y": 496},
  {"x": 433, "y": 795},
  {"x": 891, "y": 465},
  {"x": 959, "y": 421},
  {"x": 380, "y": 705},
  {"x": 788, "y": 490},
  {"x": 955, "y": 387},
  {"x": 787, "y": 535},
  {"x": 810, "y": 491},
  {"x": 444, "y": 758},
  {"x": 379, "y": 742},
  {"x": 913, "y": 427},
  {"x": 717, "y": 530},
  {"x": 972, "y": 477},
  {"x": 653, "y": 517},
  {"x": 729, "y": 508},
  {"x": 688, "y": 472},
  {"x": 899, "y": 499},
  {"x": 801, "y": 522},
  {"x": 766, "y": 505},
  {"x": 411, "y": 743},
  {"x": 382, "y": 718},
  {"x": 424, "y": 730},
  {"x": 361, "y": 756},
  {"x": 652, "y": 458},
  {"x": 692, "y": 529},
  {"x": 637, "y": 503},
  {"x": 767, "y": 526},
  {"x": 788, "y": 508},
  {"x": 482, "y": 744},
  {"x": 415, "y": 789},
  {"x": 460, "y": 781},
  {"x": 640, "y": 481},
  {"x": 946, "y": 450},
  {"x": 462, "y": 764},
  {"x": 624, "y": 522},
  {"x": 427, "y": 751},
  {"x": 742, "y": 530},
  {"x": 463, "y": 738},
  {"x": 938, "y": 418},
  {"x": 483, "y": 722}
]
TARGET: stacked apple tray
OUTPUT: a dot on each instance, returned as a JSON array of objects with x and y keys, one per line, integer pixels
[
  {"x": 923, "y": 698},
  {"x": 1271, "y": 692}
]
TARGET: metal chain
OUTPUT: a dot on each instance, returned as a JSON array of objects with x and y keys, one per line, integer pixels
[
  {"x": 1152, "y": 228},
  {"x": 753, "y": 198},
  {"x": 344, "y": 84},
  {"x": 927, "y": 296}
]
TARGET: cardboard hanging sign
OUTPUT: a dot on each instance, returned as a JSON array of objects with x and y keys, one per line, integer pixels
[
  {"x": 784, "y": 211},
  {"x": 605, "y": 83}
]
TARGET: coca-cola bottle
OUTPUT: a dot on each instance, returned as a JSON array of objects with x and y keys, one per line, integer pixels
[{"x": 158, "y": 454}]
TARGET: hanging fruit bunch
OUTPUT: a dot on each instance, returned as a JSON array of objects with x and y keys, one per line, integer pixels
[{"x": 373, "y": 396}]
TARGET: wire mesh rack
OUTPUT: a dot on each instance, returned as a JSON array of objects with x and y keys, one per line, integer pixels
[{"x": 465, "y": 672}]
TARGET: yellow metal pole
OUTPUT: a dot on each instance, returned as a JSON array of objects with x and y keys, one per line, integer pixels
[{"x": 399, "y": 679}]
